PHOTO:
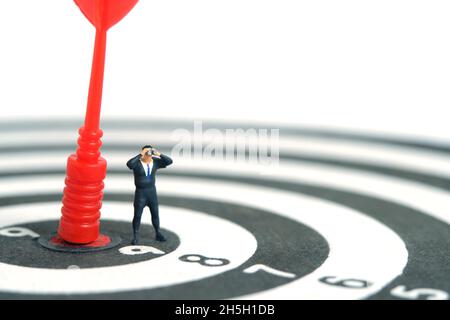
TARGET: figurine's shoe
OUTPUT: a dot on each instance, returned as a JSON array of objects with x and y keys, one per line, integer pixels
[
  {"x": 160, "y": 237},
  {"x": 135, "y": 242}
]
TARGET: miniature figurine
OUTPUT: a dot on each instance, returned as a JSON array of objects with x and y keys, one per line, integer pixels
[{"x": 144, "y": 167}]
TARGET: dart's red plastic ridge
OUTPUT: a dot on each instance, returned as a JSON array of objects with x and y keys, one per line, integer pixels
[{"x": 83, "y": 194}]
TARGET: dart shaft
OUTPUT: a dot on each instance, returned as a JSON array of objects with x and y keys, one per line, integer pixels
[{"x": 92, "y": 118}]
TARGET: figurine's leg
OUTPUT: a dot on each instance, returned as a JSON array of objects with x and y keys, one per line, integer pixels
[
  {"x": 139, "y": 205},
  {"x": 155, "y": 215},
  {"x": 154, "y": 210}
]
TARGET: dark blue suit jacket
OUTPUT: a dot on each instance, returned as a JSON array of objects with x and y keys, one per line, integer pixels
[{"x": 140, "y": 179}]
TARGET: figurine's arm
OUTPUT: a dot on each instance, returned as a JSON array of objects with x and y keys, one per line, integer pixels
[
  {"x": 133, "y": 162},
  {"x": 164, "y": 161}
]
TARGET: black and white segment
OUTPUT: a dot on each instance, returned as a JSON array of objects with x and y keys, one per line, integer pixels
[{"x": 343, "y": 216}]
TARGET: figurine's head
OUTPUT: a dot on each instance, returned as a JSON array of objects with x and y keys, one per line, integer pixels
[{"x": 149, "y": 153}]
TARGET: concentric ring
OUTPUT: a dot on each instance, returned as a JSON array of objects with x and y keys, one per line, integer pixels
[{"x": 417, "y": 220}]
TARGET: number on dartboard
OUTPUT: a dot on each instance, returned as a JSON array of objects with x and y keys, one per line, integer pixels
[
  {"x": 419, "y": 293},
  {"x": 136, "y": 250},
  {"x": 261, "y": 267},
  {"x": 346, "y": 283},
  {"x": 17, "y": 232},
  {"x": 204, "y": 261}
]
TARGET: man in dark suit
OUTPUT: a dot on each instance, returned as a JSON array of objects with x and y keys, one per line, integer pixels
[{"x": 144, "y": 166}]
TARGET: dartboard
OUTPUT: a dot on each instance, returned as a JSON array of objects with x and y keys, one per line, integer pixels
[{"x": 342, "y": 216}]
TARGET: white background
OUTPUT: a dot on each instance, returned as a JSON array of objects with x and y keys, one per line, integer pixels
[{"x": 361, "y": 65}]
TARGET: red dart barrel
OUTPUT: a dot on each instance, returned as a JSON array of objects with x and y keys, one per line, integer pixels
[{"x": 86, "y": 170}]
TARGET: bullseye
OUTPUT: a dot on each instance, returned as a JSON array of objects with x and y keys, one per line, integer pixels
[{"x": 103, "y": 242}]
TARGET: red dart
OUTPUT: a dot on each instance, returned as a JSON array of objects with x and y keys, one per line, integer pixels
[{"x": 86, "y": 170}]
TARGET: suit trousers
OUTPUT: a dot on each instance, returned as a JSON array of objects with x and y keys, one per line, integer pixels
[{"x": 145, "y": 197}]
